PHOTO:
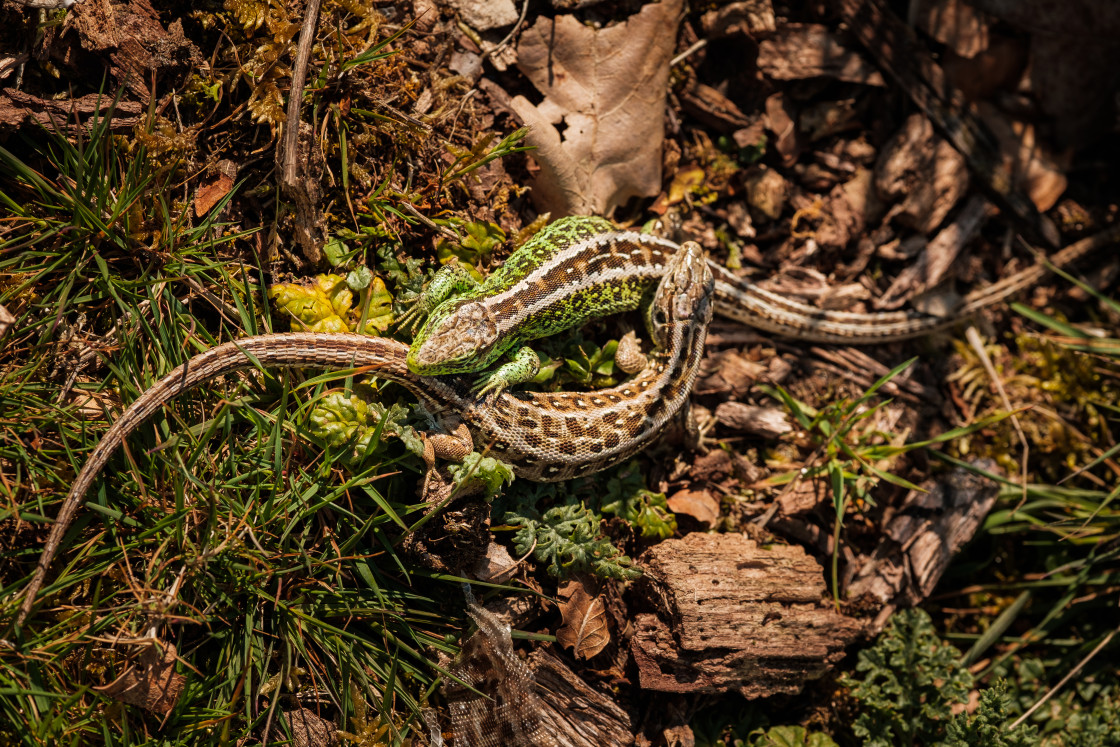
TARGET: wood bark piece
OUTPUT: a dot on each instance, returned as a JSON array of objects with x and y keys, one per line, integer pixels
[
  {"x": 18, "y": 108},
  {"x": 139, "y": 49},
  {"x": 764, "y": 422},
  {"x": 924, "y": 172},
  {"x": 574, "y": 712},
  {"x": 938, "y": 256},
  {"x": 809, "y": 51},
  {"x": 735, "y": 616},
  {"x": 922, "y": 537}
]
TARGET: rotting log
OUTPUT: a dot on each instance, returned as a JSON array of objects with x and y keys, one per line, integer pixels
[{"x": 576, "y": 714}]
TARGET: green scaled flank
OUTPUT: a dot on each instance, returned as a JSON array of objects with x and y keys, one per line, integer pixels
[{"x": 561, "y": 278}]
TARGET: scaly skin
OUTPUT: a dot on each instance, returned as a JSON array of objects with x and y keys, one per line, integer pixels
[
  {"x": 580, "y": 268},
  {"x": 470, "y": 331},
  {"x": 545, "y": 437}
]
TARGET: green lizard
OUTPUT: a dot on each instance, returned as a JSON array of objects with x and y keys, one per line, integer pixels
[
  {"x": 534, "y": 294},
  {"x": 580, "y": 268}
]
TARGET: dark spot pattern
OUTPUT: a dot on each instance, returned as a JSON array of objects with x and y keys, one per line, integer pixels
[{"x": 551, "y": 426}]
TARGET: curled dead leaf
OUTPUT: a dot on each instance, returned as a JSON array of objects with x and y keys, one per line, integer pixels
[
  {"x": 152, "y": 683},
  {"x": 585, "y": 628},
  {"x": 211, "y": 193},
  {"x": 497, "y": 566},
  {"x": 700, "y": 505}
]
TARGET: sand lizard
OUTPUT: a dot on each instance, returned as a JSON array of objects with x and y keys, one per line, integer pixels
[
  {"x": 625, "y": 261},
  {"x": 581, "y": 268},
  {"x": 544, "y": 436}
]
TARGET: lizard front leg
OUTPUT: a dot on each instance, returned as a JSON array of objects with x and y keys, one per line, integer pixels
[
  {"x": 449, "y": 281},
  {"x": 523, "y": 367}
]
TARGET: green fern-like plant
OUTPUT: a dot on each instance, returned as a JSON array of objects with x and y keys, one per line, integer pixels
[
  {"x": 567, "y": 538},
  {"x": 911, "y": 681}
]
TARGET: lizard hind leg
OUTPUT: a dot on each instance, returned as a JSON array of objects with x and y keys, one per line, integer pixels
[
  {"x": 628, "y": 357},
  {"x": 454, "y": 444}
]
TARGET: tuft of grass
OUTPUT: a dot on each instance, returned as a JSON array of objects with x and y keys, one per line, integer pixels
[
  {"x": 1043, "y": 615},
  {"x": 215, "y": 530},
  {"x": 850, "y": 452}
]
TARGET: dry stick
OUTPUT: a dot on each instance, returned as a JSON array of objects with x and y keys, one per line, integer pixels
[
  {"x": 1069, "y": 675},
  {"x": 295, "y": 95},
  {"x": 977, "y": 344}
]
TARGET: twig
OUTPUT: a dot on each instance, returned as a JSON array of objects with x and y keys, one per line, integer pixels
[
  {"x": 295, "y": 95},
  {"x": 1069, "y": 675},
  {"x": 513, "y": 31},
  {"x": 696, "y": 47},
  {"x": 973, "y": 337}
]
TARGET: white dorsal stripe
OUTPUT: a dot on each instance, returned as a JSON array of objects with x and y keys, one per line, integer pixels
[{"x": 593, "y": 244}]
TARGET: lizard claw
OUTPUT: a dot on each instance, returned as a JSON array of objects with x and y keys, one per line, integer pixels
[
  {"x": 489, "y": 387},
  {"x": 411, "y": 319}
]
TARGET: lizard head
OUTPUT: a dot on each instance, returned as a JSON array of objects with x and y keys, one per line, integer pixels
[{"x": 459, "y": 340}]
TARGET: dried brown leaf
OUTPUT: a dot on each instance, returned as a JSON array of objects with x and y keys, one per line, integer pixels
[
  {"x": 608, "y": 87},
  {"x": 497, "y": 566},
  {"x": 211, "y": 193},
  {"x": 700, "y": 505},
  {"x": 809, "y": 50},
  {"x": 152, "y": 683},
  {"x": 585, "y": 628}
]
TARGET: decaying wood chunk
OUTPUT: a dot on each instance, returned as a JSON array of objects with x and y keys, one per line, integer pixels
[
  {"x": 734, "y": 615},
  {"x": 18, "y": 108},
  {"x": 764, "y": 422},
  {"x": 922, "y": 537},
  {"x": 130, "y": 34},
  {"x": 924, "y": 172},
  {"x": 573, "y": 712}
]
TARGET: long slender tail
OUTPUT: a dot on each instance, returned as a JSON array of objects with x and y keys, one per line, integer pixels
[
  {"x": 739, "y": 299},
  {"x": 266, "y": 351}
]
